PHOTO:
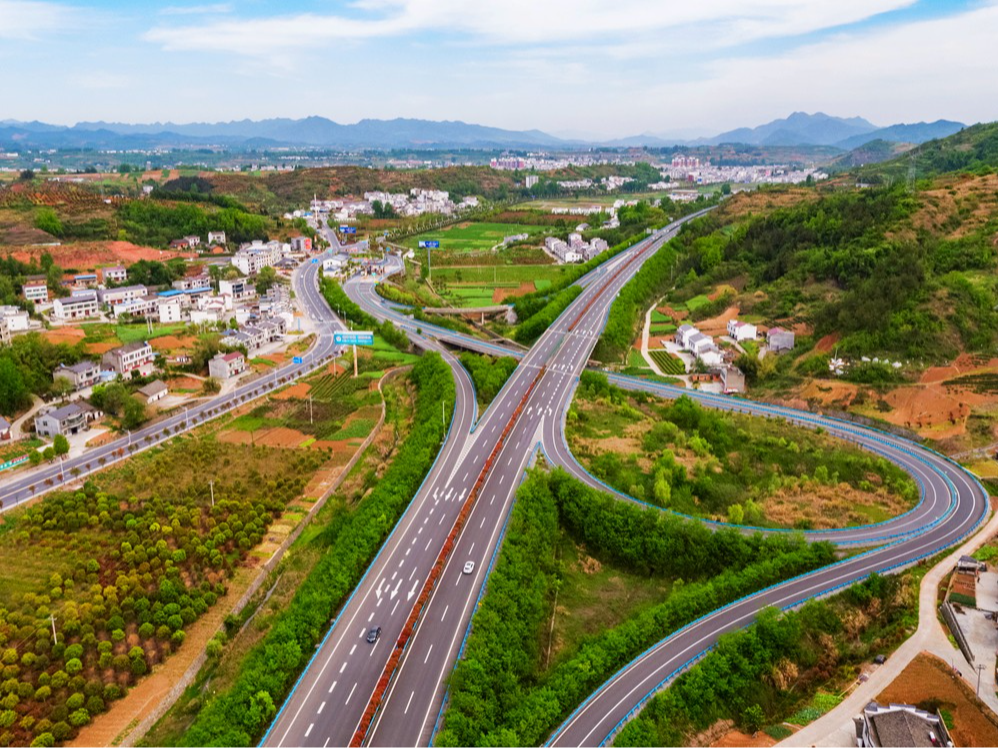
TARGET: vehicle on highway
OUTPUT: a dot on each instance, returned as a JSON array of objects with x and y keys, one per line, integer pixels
[
  {"x": 374, "y": 634},
  {"x": 469, "y": 567}
]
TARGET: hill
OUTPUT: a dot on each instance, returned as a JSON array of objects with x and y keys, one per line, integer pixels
[
  {"x": 919, "y": 132},
  {"x": 973, "y": 149},
  {"x": 797, "y": 129}
]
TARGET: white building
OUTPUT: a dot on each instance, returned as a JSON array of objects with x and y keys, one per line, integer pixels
[
  {"x": 170, "y": 311},
  {"x": 252, "y": 258},
  {"x": 129, "y": 357},
  {"x": 77, "y": 307},
  {"x": 216, "y": 237},
  {"x": 740, "y": 331},
  {"x": 113, "y": 296},
  {"x": 16, "y": 318},
  {"x": 36, "y": 291},
  {"x": 237, "y": 290}
]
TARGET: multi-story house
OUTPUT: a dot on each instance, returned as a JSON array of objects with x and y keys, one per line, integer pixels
[
  {"x": 129, "y": 357},
  {"x": 76, "y": 307},
  {"x": 81, "y": 375},
  {"x": 121, "y": 295}
]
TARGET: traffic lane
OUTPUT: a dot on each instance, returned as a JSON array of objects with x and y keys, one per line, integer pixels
[
  {"x": 413, "y": 700},
  {"x": 329, "y": 701},
  {"x": 595, "y": 721},
  {"x": 899, "y": 451}
]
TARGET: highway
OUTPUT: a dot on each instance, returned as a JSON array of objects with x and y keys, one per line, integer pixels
[{"x": 22, "y": 486}]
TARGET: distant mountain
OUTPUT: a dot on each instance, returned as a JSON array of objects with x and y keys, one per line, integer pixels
[
  {"x": 919, "y": 132},
  {"x": 974, "y": 148},
  {"x": 310, "y": 131},
  {"x": 799, "y": 128}
]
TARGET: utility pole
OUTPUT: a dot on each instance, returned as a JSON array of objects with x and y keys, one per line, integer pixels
[
  {"x": 443, "y": 417},
  {"x": 310, "y": 409},
  {"x": 980, "y": 669},
  {"x": 55, "y": 637},
  {"x": 211, "y": 485},
  {"x": 355, "y": 361}
]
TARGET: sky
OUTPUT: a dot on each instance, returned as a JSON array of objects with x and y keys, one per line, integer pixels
[{"x": 578, "y": 68}]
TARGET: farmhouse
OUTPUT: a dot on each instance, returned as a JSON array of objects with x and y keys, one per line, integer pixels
[
  {"x": 152, "y": 392},
  {"x": 740, "y": 331},
  {"x": 83, "y": 374},
  {"x": 76, "y": 307},
  {"x": 779, "y": 339},
  {"x": 129, "y": 357},
  {"x": 227, "y": 365}
]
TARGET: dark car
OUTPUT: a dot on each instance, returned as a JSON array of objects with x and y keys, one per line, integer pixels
[{"x": 373, "y": 635}]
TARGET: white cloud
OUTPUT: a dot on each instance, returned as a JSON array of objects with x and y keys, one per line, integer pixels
[
  {"x": 530, "y": 22},
  {"x": 100, "y": 80},
  {"x": 939, "y": 68},
  {"x": 29, "y": 19}
]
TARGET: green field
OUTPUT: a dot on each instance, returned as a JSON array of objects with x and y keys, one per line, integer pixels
[
  {"x": 497, "y": 275},
  {"x": 661, "y": 328},
  {"x": 696, "y": 302},
  {"x": 657, "y": 316},
  {"x": 472, "y": 236},
  {"x": 667, "y": 362},
  {"x": 102, "y": 332}
]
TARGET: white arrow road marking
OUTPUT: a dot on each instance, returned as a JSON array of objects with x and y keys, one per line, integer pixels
[{"x": 396, "y": 590}]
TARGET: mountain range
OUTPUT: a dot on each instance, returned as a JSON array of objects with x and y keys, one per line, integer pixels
[{"x": 798, "y": 129}]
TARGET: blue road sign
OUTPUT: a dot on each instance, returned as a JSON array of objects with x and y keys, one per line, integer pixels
[
  {"x": 354, "y": 337},
  {"x": 429, "y": 244},
  {"x": 348, "y": 229},
  {"x": 298, "y": 360}
]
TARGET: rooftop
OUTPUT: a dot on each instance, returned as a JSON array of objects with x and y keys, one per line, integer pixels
[{"x": 153, "y": 388}]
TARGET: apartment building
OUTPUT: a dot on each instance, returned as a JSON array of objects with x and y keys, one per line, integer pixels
[
  {"x": 128, "y": 358},
  {"x": 113, "y": 296},
  {"x": 76, "y": 307}
]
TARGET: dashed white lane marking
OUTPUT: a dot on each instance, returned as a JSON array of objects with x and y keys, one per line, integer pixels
[
  {"x": 440, "y": 522},
  {"x": 396, "y": 605},
  {"x": 353, "y": 649},
  {"x": 446, "y": 608},
  {"x": 351, "y": 693},
  {"x": 472, "y": 549},
  {"x": 311, "y": 725},
  {"x": 408, "y": 551},
  {"x": 321, "y": 707},
  {"x": 428, "y": 543},
  {"x": 342, "y": 668},
  {"x": 483, "y": 523},
  {"x": 408, "y": 702},
  {"x": 412, "y": 575},
  {"x": 427, "y": 658},
  {"x": 370, "y": 617}
]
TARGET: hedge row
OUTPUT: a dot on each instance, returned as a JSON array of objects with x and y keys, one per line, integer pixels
[
  {"x": 239, "y": 716},
  {"x": 497, "y": 695},
  {"x": 533, "y": 327},
  {"x": 649, "y": 283},
  {"x": 338, "y": 300}
]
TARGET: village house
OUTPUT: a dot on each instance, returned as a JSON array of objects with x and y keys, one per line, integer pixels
[
  {"x": 216, "y": 237},
  {"x": 152, "y": 392},
  {"x": 66, "y": 420},
  {"x": 36, "y": 291},
  {"x": 128, "y": 358},
  {"x": 113, "y": 274},
  {"x": 740, "y": 331},
  {"x": 121, "y": 295},
  {"x": 81, "y": 375},
  {"x": 227, "y": 365},
  {"x": 76, "y": 307},
  {"x": 779, "y": 339}
]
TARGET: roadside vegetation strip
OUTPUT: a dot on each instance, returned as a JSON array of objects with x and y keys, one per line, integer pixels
[
  {"x": 532, "y": 328},
  {"x": 240, "y": 716},
  {"x": 488, "y": 373},
  {"x": 786, "y": 667},
  {"x": 392, "y": 665},
  {"x": 500, "y": 692}
]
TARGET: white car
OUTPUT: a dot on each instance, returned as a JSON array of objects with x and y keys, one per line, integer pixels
[{"x": 469, "y": 567}]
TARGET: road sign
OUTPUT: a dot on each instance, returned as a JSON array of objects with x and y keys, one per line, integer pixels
[
  {"x": 298, "y": 360},
  {"x": 429, "y": 244},
  {"x": 315, "y": 260},
  {"x": 354, "y": 337},
  {"x": 348, "y": 229}
]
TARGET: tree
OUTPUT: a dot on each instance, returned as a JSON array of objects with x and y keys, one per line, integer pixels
[
  {"x": 13, "y": 391},
  {"x": 266, "y": 278},
  {"x": 46, "y": 220},
  {"x": 134, "y": 414},
  {"x": 26, "y": 175},
  {"x": 60, "y": 444}
]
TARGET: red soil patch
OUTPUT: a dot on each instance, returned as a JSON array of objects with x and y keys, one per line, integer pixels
[
  {"x": 737, "y": 738},
  {"x": 69, "y": 335},
  {"x": 281, "y": 437},
  {"x": 172, "y": 342},
  {"x": 718, "y": 325},
  {"x": 927, "y": 677},
  {"x": 827, "y": 343},
  {"x": 99, "y": 348},
  {"x": 340, "y": 446},
  {"x": 185, "y": 383},
  {"x": 297, "y": 391},
  {"x": 107, "y": 436},
  {"x": 668, "y": 311},
  {"x": 90, "y": 255},
  {"x": 501, "y": 294}
]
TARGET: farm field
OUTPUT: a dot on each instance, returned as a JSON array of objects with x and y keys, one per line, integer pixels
[
  {"x": 486, "y": 285},
  {"x": 472, "y": 236},
  {"x": 667, "y": 362}
]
